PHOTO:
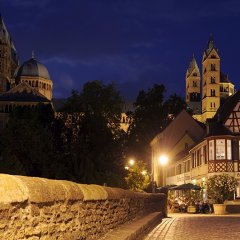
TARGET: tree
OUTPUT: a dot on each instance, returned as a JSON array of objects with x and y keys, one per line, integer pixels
[
  {"x": 137, "y": 178},
  {"x": 152, "y": 114},
  {"x": 26, "y": 142},
  {"x": 93, "y": 136}
]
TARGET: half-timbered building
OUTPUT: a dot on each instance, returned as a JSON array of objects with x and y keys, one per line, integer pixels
[{"x": 216, "y": 151}]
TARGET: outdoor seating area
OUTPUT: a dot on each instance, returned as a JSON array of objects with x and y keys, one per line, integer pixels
[{"x": 188, "y": 198}]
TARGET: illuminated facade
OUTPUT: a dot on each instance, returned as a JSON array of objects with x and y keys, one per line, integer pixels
[
  {"x": 25, "y": 85},
  {"x": 215, "y": 86},
  {"x": 197, "y": 155}
]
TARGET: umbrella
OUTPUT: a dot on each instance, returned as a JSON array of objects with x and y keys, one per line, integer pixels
[{"x": 186, "y": 186}]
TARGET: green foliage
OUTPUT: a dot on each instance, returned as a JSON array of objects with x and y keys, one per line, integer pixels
[
  {"x": 221, "y": 187},
  {"x": 137, "y": 178}
]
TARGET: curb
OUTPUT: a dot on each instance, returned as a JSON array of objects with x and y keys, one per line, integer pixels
[{"x": 135, "y": 230}]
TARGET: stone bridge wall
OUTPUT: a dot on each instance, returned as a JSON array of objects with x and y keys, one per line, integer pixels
[{"x": 37, "y": 208}]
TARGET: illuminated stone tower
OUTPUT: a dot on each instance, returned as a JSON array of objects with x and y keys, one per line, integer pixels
[
  {"x": 193, "y": 87},
  {"x": 210, "y": 81},
  {"x": 8, "y": 58}
]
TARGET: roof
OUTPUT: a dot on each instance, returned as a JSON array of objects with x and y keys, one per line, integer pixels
[
  {"x": 192, "y": 66},
  {"x": 224, "y": 78},
  {"x": 177, "y": 128},
  {"x": 225, "y": 110},
  {"x": 23, "y": 93},
  {"x": 4, "y": 34},
  {"x": 217, "y": 129},
  {"x": 32, "y": 68},
  {"x": 210, "y": 46}
]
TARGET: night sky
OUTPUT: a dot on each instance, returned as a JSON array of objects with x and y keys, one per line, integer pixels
[{"x": 134, "y": 43}]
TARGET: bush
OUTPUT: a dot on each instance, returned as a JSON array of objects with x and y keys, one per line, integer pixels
[{"x": 221, "y": 188}]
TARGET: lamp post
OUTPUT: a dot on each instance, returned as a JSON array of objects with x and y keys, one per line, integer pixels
[{"x": 163, "y": 160}]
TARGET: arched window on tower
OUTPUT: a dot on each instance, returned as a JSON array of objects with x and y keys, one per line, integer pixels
[
  {"x": 213, "y": 80},
  {"x": 213, "y": 94},
  {"x": 213, "y": 67}
]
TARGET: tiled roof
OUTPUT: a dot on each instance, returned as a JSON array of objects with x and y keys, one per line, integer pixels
[
  {"x": 192, "y": 66},
  {"x": 224, "y": 78},
  {"x": 217, "y": 129},
  {"x": 225, "y": 110}
]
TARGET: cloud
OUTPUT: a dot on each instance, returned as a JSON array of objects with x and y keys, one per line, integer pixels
[
  {"x": 59, "y": 60},
  {"x": 66, "y": 81}
]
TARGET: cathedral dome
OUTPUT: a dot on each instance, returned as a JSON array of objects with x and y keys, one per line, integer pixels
[{"x": 32, "y": 68}]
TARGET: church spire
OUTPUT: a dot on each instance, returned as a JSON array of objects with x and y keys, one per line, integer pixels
[
  {"x": 192, "y": 66},
  {"x": 210, "y": 45},
  {"x": 33, "y": 55}
]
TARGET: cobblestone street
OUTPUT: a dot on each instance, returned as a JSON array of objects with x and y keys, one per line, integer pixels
[{"x": 197, "y": 227}]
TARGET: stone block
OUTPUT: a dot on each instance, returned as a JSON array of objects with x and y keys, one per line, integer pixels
[
  {"x": 93, "y": 192},
  {"x": 12, "y": 190}
]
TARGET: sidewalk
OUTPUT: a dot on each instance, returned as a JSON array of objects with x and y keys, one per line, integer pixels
[
  {"x": 136, "y": 229},
  {"x": 179, "y": 226},
  {"x": 183, "y": 226}
]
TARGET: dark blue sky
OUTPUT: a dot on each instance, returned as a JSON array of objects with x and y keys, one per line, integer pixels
[{"x": 134, "y": 43}]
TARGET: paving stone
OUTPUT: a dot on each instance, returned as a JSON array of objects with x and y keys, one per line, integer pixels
[{"x": 197, "y": 227}]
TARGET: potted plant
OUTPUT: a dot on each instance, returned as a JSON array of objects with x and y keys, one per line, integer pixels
[{"x": 220, "y": 188}]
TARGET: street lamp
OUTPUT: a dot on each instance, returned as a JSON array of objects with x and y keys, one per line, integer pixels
[
  {"x": 131, "y": 162},
  {"x": 163, "y": 160}
]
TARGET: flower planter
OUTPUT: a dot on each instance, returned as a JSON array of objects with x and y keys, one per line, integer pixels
[
  {"x": 219, "y": 209},
  {"x": 191, "y": 209}
]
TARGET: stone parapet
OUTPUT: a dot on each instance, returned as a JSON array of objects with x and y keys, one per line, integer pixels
[{"x": 38, "y": 208}]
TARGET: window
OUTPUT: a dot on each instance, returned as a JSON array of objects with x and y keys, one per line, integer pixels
[
  {"x": 220, "y": 149},
  {"x": 213, "y": 80},
  {"x": 186, "y": 145},
  {"x": 188, "y": 166},
  {"x": 198, "y": 157},
  {"x": 213, "y": 67},
  {"x": 178, "y": 169},
  {"x": 229, "y": 150},
  {"x": 205, "y": 154},
  {"x": 193, "y": 157},
  {"x": 211, "y": 150},
  {"x": 213, "y": 93}
]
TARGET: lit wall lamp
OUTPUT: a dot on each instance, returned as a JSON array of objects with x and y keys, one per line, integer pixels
[{"x": 163, "y": 160}]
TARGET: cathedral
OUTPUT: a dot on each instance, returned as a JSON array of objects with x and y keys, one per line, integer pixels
[
  {"x": 20, "y": 85},
  {"x": 207, "y": 91}
]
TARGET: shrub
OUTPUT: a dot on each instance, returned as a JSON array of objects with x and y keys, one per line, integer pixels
[{"x": 221, "y": 187}]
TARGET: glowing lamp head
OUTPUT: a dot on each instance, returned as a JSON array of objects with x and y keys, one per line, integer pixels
[
  {"x": 163, "y": 159},
  {"x": 131, "y": 162}
]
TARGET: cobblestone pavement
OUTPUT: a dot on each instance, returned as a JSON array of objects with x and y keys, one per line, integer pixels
[{"x": 197, "y": 227}]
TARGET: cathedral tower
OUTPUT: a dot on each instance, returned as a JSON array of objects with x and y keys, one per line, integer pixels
[
  {"x": 8, "y": 58},
  {"x": 210, "y": 80},
  {"x": 193, "y": 98}
]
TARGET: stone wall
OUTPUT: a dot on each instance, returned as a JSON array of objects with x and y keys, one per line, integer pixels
[{"x": 37, "y": 208}]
